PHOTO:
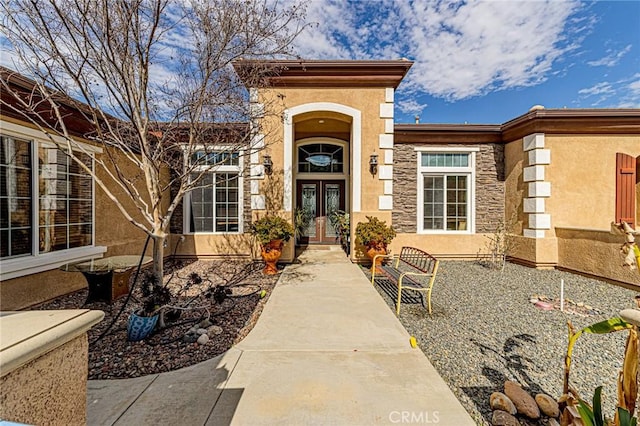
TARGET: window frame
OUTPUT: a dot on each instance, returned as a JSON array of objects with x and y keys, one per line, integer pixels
[
  {"x": 469, "y": 171},
  {"x": 186, "y": 201},
  {"x": 19, "y": 266}
]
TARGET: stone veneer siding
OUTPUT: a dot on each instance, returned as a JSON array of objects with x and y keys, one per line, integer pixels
[
  {"x": 176, "y": 220},
  {"x": 489, "y": 187}
]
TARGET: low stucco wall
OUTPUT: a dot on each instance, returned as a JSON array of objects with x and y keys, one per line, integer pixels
[
  {"x": 220, "y": 246},
  {"x": 536, "y": 252},
  {"x": 594, "y": 252},
  {"x": 50, "y": 390},
  {"x": 445, "y": 246},
  {"x": 44, "y": 366}
]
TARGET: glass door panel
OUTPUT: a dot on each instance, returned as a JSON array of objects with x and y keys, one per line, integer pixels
[
  {"x": 318, "y": 199},
  {"x": 331, "y": 204},
  {"x": 309, "y": 207}
]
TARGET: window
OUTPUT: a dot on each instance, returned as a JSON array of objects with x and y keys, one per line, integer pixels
[
  {"x": 445, "y": 191},
  {"x": 215, "y": 205},
  {"x": 66, "y": 200},
  {"x": 320, "y": 158},
  {"x": 15, "y": 198},
  {"x": 46, "y": 204}
]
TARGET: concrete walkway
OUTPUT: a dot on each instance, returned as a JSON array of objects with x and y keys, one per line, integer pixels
[{"x": 326, "y": 350}]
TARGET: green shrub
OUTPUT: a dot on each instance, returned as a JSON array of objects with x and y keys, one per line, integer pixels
[{"x": 270, "y": 228}]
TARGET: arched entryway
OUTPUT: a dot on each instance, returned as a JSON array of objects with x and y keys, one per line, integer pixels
[{"x": 330, "y": 121}]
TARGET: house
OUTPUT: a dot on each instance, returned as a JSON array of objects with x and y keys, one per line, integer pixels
[{"x": 555, "y": 178}]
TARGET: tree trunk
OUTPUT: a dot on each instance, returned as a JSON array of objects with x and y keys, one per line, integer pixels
[
  {"x": 158, "y": 257},
  {"x": 158, "y": 268}
]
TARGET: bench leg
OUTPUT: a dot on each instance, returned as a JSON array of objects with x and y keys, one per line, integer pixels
[
  {"x": 429, "y": 300},
  {"x": 399, "y": 297}
]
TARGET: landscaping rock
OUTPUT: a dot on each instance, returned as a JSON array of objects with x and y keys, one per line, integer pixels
[
  {"x": 500, "y": 401},
  {"x": 525, "y": 404},
  {"x": 214, "y": 330},
  {"x": 547, "y": 405},
  {"x": 502, "y": 418},
  {"x": 553, "y": 422},
  {"x": 203, "y": 339},
  {"x": 201, "y": 331},
  {"x": 190, "y": 337},
  {"x": 205, "y": 323}
]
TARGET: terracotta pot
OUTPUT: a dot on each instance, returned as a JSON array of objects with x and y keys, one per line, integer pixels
[
  {"x": 271, "y": 252},
  {"x": 372, "y": 251}
]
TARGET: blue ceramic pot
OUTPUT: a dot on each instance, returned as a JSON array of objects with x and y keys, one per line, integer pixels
[{"x": 140, "y": 327}]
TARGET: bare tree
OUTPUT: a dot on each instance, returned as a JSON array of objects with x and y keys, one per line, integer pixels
[{"x": 154, "y": 81}]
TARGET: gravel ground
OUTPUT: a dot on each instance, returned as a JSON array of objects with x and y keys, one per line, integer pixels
[
  {"x": 484, "y": 330},
  {"x": 113, "y": 357}
]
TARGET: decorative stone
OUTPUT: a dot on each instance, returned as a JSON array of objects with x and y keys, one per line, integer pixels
[
  {"x": 190, "y": 337},
  {"x": 545, "y": 306},
  {"x": 500, "y": 401},
  {"x": 214, "y": 330},
  {"x": 203, "y": 339},
  {"x": 547, "y": 405},
  {"x": 201, "y": 331},
  {"x": 205, "y": 323},
  {"x": 525, "y": 404},
  {"x": 553, "y": 422},
  {"x": 502, "y": 418},
  {"x": 631, "y": 315}
]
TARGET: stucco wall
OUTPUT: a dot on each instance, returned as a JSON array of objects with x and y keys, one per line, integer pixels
[
  {"x": 583, "y": 178},
  {"x": 594, "y": 252},
  {"x": 50, "y": 390},
  {"x": 582, "y": 174},
  {"x": 365, "y": 100}
]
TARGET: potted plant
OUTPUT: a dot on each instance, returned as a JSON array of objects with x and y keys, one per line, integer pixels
[
  {"x": 143, "y": 321},
  {"x": 375, "y": 235},
  {"x": 301, "y": 220},
  {"x": 340, "y": 221},
  {"x": 272, "y": 232}
]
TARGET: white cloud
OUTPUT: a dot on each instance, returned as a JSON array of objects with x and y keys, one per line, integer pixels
[
  {"x": 460, "y": 49},
  {"x": 603, "y": 88},
  {"x": 622, "y": 93},
  {"x": 411, "y": 106},
  {"x": 611, "y": 59}
]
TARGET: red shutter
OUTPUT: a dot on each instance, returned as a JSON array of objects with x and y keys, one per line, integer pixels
[{"x": 625, "y": 189}]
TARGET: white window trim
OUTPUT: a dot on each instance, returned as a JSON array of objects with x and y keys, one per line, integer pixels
[
  {"x": 470, "y": 171},
  {"x": 186, "y": 201},
  {"x": 26, "y": 265},
  {"x": 36, "y": 262}
]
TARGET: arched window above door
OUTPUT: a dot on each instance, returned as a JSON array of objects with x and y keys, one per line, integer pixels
[{"x": 320, "y": 158}]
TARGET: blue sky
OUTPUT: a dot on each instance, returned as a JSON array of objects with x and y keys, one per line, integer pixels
[
  {"x": 488, "y": 61},
  {"x": 485, "y": 61}
]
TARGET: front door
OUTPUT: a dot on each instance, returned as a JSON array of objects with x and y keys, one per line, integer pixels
[{"x": 318, "y": 199}]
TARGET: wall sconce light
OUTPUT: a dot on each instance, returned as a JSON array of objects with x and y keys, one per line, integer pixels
[
  {"x": 268, "y": 164},
  {"x": 373, "y": 164}
]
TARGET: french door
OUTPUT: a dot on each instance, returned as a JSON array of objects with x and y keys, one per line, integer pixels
[{"x": 318, "y": 199}]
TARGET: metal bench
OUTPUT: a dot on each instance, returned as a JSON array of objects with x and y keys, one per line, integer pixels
[{"x": 413, "y": 269}]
